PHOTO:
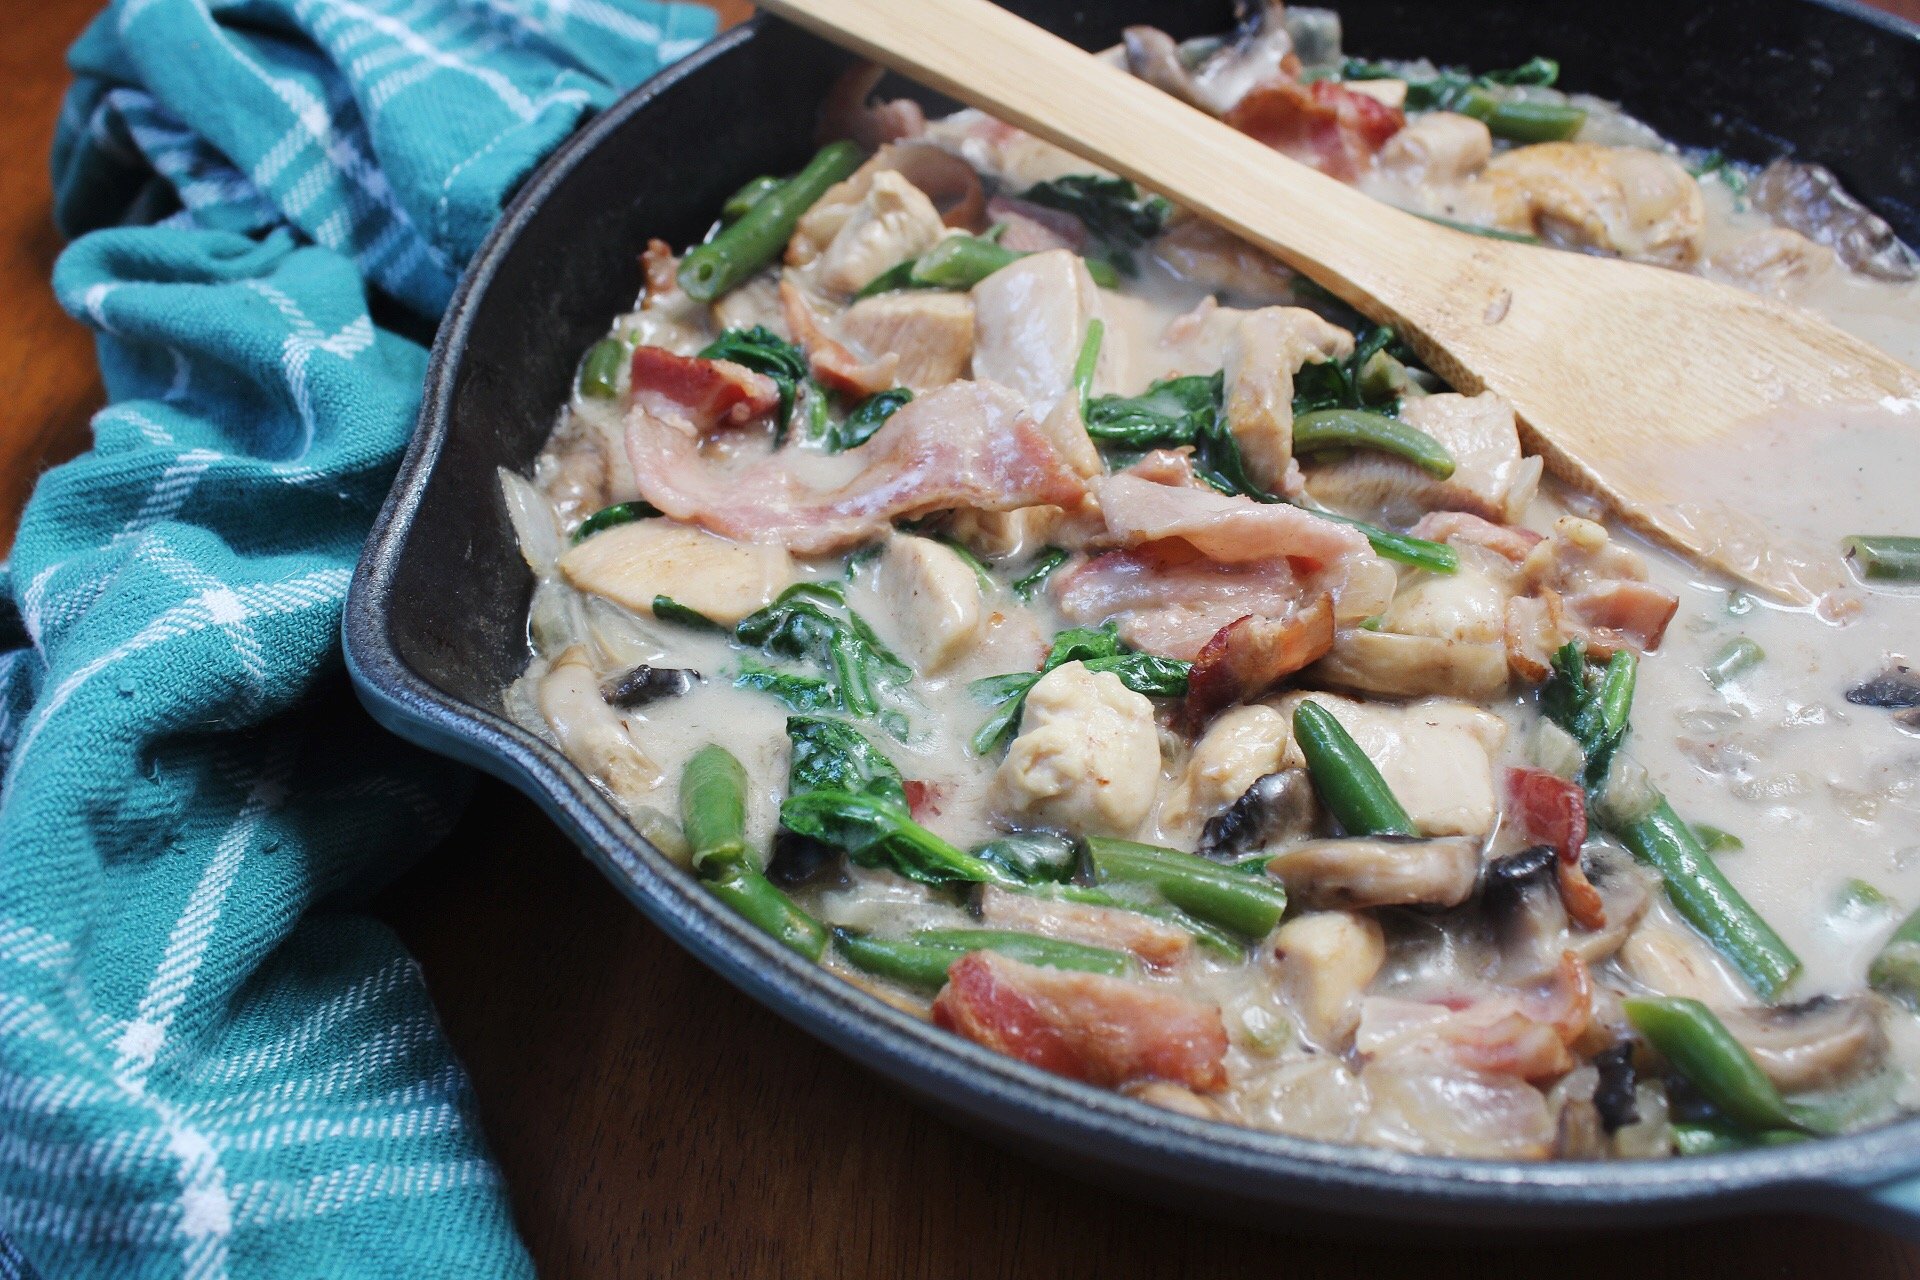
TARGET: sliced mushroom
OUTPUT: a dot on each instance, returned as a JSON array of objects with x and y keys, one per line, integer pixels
[
  {"x": 1397, "y": 666},
  {"x": 592, "y": 733},
  {"x": 1380, "y": 871},
  {"x": 1326, "y": 960},
  {"x": 644, "y": 684},
  {"x": 1817, "y": 1042},
  {"x": 1614, "y": 1094},
  {"x": 1278, "y": 806},
  {"x": 1897, "y": 688}
]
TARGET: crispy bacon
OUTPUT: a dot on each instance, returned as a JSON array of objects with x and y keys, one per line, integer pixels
[
  {"x": 705, "y": 393},
  {"x": 1106, "y": 1031},
  {"x": 924, "y": 798},
  {"x": 1034, "y": 228},
  {"x": 1224, "y": 529},
  {"x": 1251, "y": 655},
  {"x": 1323, "y": 124},
  {"x": 1169, "y": 599},
  {"x": 660, "y": 268},
  {"x": 1553, "y": 811},
  {"x": 967, "y": 445},
  {"x": 1528, "y": 1035},
  {"x": 1626, "y": 611}
]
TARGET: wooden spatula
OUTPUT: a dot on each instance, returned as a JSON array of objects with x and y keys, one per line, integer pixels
[{"x": 1611, "y": 366}]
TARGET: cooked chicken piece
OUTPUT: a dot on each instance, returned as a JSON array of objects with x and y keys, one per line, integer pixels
[
  {"x": 930, "y": 332},
  {"x": 874, "y": 220},
  {"x": 1087, "y": 758},
  {"x": 631, "y": 564},
  {"x": 1773, "y": 262},
  {"x": 1325, "y": 960},
  {"x": 1242, "y": 746},
  {"x": 1216, "y": 259},
  {"x": 755, "y": 303},
  {"x": 1380, "y": 871},
  {"x": 1398, "y": 666},
  {"x": 1011, "y": 536},
  {"x": 1637, "y": 203},
  {"x": 933, "y": 599},
  {"x": 1439, "y": 147},
  {"x": 1469, "y": 604},
  {"x": 1387, "y": 92},
  {"x": 591, "y": 733},
  {"x": 1030, "y": 322},
  {"x": 1155, "y": 942},
  {"x": 1267, "y": 348},
  {"x": 1491, "y": 478},
  {"x": 1436, "y": 755}
]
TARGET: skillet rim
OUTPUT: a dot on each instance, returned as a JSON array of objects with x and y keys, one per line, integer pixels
[{"x": 1113, "y": 1132}]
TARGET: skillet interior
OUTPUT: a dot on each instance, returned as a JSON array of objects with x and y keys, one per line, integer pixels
[{"x": 435, "y": 622}]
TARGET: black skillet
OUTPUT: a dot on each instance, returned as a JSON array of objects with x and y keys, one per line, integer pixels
[{"x": 435, "y": 621}]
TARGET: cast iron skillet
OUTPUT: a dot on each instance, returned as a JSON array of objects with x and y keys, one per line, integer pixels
[{"x": 435, "y": 621}]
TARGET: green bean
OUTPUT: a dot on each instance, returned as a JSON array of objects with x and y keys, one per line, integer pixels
[
  {"x": 1031, "y": 948},
  {"x": 922, "y": 961},
  {"x": 960, "y": 262},
  {"x": 761, "y": 903},
  {"x": 1434, "y": 557},
  {"x": 1087, "y": 363},
  {"x": 1363, "y": 429},
  {"x": 1699, "y": 1046},
  {"x": 608, "y": 517},
  {"x": 1349, "y": 785},
  {"x": 761, "y": 234},
  {"x": 1708, "y": 902},
  {"x": 1381, "y": 378},
  {"x": 1895, "y": 971},
  {"x": 1240, "y": 903},
  {"x": 1885, "y": 558},
  {"x": 1739, "y": 656},
  {"x": 713, "y": 808},
  {"x": 1528, "y": 120},
  {"x": 1104, "y": 273},
  {"x": 897, "y": 276},
  {"x": 600, "y": 369},
  {"x": 750, "y": 194}
]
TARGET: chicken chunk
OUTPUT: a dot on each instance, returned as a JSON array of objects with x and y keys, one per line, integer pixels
[
  {"x": 1087, "y": 758},
  {"x": 934, "y": 598},
  {"x": 874, "y": 220},
  {"x": 1380, "y": 871},
  {"x": 1637, "y": 203},
  {"x": 1491, "y": 478},
  {"x": 1436, "y": 755},
  {"x": 631, "y": 564},
  {"x": 1241, "y": 747},
  {"x": 930, "y": 334},
  {"x": 1030, "y": 322},
  {"x": 1326, "y": 959},
  {"x": 1439, "y": 147}
]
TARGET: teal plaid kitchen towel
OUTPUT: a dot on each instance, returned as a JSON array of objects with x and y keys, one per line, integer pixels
[{"x": 209, "y": 1064}]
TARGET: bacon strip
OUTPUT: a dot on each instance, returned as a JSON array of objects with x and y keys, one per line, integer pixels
[
  {"x": 1170, "y": 600},
  {"x": 967, "y": 445},
  {"x": 1224, "y": 529},
  {"x": 1155, "y": 942},
  {"x": 1553, "y": 811},
  {"x": 1323, "y": 124},
  {"x": 1251, "y": 655},
  {"x": 704, "y": 393},
  {"x": 833, "y": 362},
  {"x": 1106, "y": 1031}
]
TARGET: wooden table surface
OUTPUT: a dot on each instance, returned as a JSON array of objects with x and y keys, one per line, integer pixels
[{"x": 655, "y": 1123}]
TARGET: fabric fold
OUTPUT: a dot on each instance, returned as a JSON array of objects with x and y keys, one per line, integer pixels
[{"x": 210, "y": 1065}]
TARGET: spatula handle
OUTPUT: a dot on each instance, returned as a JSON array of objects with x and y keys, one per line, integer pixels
[{"x": 984, "y": 56}]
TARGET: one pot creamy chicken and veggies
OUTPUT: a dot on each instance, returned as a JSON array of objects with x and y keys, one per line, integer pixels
[{"x": 1053, "y": 616}]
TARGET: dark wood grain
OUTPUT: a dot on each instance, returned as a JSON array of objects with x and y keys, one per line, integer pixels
[{"x": 654, "y": 1123}]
